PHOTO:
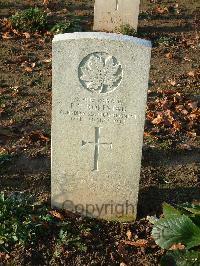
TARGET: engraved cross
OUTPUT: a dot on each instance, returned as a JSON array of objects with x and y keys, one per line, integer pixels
[
  {"x": 117, "y": 5},
  {"x": 97, "y": 145}
]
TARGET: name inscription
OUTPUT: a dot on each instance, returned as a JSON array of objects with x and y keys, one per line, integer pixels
[{"x": 98, "y": 110}]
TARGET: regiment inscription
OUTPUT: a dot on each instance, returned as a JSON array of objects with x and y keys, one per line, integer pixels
[{"x": 100, "y": 110}]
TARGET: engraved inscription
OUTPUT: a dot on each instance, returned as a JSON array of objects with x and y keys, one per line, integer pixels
[
  {"x": 99, "y": 110},
  {"x": 100, "y": 72},
  {"x": 97, "y": 144}
]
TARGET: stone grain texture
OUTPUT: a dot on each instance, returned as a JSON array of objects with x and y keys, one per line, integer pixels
[{"x": 100, "y": 85}]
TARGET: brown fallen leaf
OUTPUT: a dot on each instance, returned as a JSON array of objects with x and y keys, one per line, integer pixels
[
  {"x": 33, "y": 65},
  {"x": 150, "y": 115},
  {"x": 170, "y": 116},
  {"x": 122, "y": 250},
  {"x": 192, "y": 116},
  {"x": 161, "y": 10},
  {"x": 38, "y": 136},
  {"x": 57, "y": 215},
  {"x": 1, "y": 110},
  {"x": 169, "y": 92},
  {"x": 177, "y": 126},
  {"x": 7, "y": 23},
  {"x": 172, "y": 82},
  {"x": 187, "y": 59},
  {"x": 6, "y": 36},
  {"x": 179, "y": 107},
  {"x": 157, "y": 120},
  {"x": 47, "y": 60},
  {"x": 178, "y": 246},
  {"x": 129, "y": 234},
  {"x": 28, "y": 69},
  {"x": 16, "y": 32},
  {"x": 184, "y": 112},
  {"x": 45, "y": 2},
  {"x": 191, "y": 134},
  {"x": 191, "y": 74},
  {"x": 123, "y": 264},
  {"x": 185, "y": 146},
  {"x": 138, "y": 243},
  {"x": 2, "y": 91},
  {"x": 4, "y": 256},
  {"x": 70, "y": 214},
  {"x": 165, "y": 104},
  {"x": 147, "y": 134},
  {"x": 27, "y": 35},
  {"x": 193, "y": 105},
  {"x": 169, "y": 55}
]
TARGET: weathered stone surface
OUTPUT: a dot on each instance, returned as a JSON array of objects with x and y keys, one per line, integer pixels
[
  {"x": 99, "y": 96},
  {"x": 109, "y": 15}
]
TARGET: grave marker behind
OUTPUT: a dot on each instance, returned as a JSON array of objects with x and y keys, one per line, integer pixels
[{"x": 109, "y": 15}]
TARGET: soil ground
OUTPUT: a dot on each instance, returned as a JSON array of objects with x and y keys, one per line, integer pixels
[{"x": 170, "y": 164}]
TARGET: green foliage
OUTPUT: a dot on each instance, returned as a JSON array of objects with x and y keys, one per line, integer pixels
[
  {"x": 191, "y": 208},
  {"x": 169, "y": 211},
  {"x": 164, "y": 41},
  {"x": 24, "y": 222},
  {"x": 181, "y": 258},
  {"x": 165, "y": 145},
  {"x": 67, "y": 26},
  {"x": 144, "y": 15},
  {"x": 32, "y": 19},
  {"x": 127, "y": 30},
  {"x": 179, "y": 225},
  {"x": 18, "y": 224},
  {"x": 66, "y": 237},
  {"x": 177, "y": 229},
  {"x": 61, "y": 27}
]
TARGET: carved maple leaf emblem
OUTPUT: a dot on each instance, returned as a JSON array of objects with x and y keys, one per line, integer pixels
[{"x": 100, "y": 72}]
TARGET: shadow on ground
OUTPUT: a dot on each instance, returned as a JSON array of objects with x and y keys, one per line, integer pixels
[{"x": 151, "y": 198}]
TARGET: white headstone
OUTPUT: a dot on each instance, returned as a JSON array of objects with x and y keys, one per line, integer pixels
[
  {"x": 109, "y": 15},
  {"x": 100, "y": 85}
]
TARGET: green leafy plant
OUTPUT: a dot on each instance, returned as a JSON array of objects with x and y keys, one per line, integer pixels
[
  {"x": 181, "y": 258},
  {"x": 67, "y": 237},
  {"x": 73, "y": 240},
  {"x": 180, "y": 225},
  {"x": 164, "y": 41},
  {"x": 32, "y": 19},
  {"x": 61, "y": 27},
  {"x": 127, "y": 30},
  {"x": 144, "y": 15},
  {"x": 67, "y": 26},
  {"x": 24, "y": 222},
  {"x": 21, "y": 220}
]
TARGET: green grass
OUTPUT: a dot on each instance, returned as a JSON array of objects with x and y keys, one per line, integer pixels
[
  {"x": 24, "y": 222},
  {"x": 127, "y": 30},
  {"x": 32, "y": 19}
]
